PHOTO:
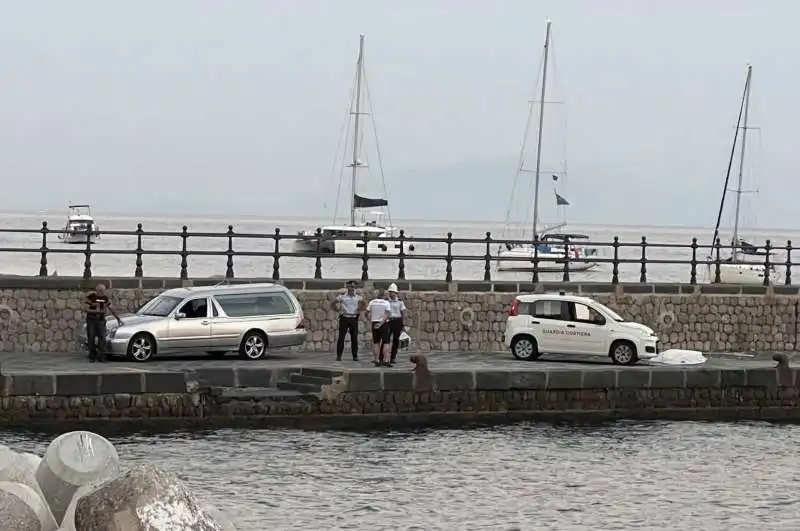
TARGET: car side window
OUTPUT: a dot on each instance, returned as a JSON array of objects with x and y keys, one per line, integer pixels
[
  {"x": 195, "y": 308},
  {"x": 249, "y": 305},
  {"x": 584, "y": 314},
  {"x": 547, "y": 309}
]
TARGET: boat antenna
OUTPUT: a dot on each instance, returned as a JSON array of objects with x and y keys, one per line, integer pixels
[
  {"x": 356, "y": 124},
  {"x": 539, "y": 137},
  {"x": 732, "y": 155}
]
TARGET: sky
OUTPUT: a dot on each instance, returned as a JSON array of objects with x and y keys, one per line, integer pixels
[{"x": 193, "y": 107}]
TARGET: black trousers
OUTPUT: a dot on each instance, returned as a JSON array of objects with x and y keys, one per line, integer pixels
[
  {"x": 96, "y": 338},
  {"x": 347, "y": 325},
  {"x": 396, "y": 328}
]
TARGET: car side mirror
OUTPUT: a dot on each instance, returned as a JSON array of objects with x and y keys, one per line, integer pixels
[{"x": 179, "y": 316}]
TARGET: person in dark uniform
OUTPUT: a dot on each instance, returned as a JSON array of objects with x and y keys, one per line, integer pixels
[
  {"x": 96, "y": 305},
  {"x": 349, "y": 305},
  {"x": 397, "y": 318}
]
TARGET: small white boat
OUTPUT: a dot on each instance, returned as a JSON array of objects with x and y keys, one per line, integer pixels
[
  {"x": 551, "y": 254},
  {"x": 80, "y": 226},
  {"x": 349, "y": 238},
  {"x": 742, "y": 273}
]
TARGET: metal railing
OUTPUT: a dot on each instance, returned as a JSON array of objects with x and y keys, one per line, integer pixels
[{"x": 640, "y": 254}]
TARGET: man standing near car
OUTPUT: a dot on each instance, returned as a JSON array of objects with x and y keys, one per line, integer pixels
[
  {"x": 349, "y": 305},
  {"x": 96, "y": 305}
]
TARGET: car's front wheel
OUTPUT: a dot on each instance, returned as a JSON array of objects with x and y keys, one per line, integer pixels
[
  {"x": 623, "y": 353},
  {"x": 141, "y": 347},
  {"x": 525, "y": 348}
]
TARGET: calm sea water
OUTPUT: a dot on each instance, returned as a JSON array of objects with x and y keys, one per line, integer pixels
[
  {"x": 68, "y": 259},
  {"x": 657, "y": 476}
]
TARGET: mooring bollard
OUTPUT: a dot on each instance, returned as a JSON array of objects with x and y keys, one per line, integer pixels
[
  {"x": 23, "y": 509},
  {"x": 144, "y": 497},
  {"x": 72, "y": 460}
]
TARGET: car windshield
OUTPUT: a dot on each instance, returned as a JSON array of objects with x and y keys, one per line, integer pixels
[
  {"x": 611, "y": 313},
  {"x": 161, "y": 306}
]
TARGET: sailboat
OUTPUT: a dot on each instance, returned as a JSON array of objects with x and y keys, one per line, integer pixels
[
  {"x": 550, "y": 249},
  {"x": 348, "y": 238},
  {"x": 745, "y": 265}
]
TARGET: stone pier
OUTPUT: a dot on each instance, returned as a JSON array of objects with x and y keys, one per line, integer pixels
[{"x": 44, "y": 314}]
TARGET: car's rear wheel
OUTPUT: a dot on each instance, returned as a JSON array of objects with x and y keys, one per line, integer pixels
[
  {"x": 141, "y": 347},
  {"x": 253, "y": 346},
  {"x": 525, "y": 348},
  {"x": 623, "y": 352}
]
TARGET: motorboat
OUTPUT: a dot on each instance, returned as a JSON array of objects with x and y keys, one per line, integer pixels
[
  {"x": 80, "y": 226},
  {"x": 348, "y": 238}
]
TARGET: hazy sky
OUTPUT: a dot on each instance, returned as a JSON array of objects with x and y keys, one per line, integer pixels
[{"x": 236, "y": 107}]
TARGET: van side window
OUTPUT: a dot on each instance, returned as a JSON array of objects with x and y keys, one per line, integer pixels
[
  {"x": 547, "y": 309},
  {"x": 584, "y": 314},
  {"x": 195, "y": 308},
  {"x": 248, "y": 305}
]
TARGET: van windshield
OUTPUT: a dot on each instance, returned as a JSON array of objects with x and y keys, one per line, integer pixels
[
  {"x": 161, "y": 306},
  {"x": 611, "y": 313}
]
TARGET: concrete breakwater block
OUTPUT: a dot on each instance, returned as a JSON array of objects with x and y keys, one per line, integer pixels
[
  {"x": 224, "y": 522},
  {"x": 72, "y": 460},
  {"x": 145, "y": 498},
  {"x": 23, "y": 509},
  {"x": 17, "y": 468}
]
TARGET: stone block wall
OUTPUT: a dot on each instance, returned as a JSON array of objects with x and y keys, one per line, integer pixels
[{"x": 50, "y": 319}]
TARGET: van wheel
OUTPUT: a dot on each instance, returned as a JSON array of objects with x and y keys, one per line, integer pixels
[
  {"x": 525, "y": 348},
  {"x": 141, "y": 347},
  {"x": 623, "y": 353},
  {"x": 254, "y": 345}
]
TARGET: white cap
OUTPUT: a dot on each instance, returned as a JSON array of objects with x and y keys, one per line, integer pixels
[{"x": 392, "y": 288}]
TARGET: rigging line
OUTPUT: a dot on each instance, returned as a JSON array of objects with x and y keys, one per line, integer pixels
[
  {"x": 377, "y": 146},
  {"x": 343, "y": 134},
  {"x": 521, "y": 159},
  {"x": 730, "y": 164}
]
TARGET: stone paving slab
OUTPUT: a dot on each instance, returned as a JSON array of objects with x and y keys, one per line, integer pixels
[{"x": 70, "y": 374}]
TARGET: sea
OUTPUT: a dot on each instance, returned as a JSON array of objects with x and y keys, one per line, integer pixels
[
  {"x": 109, "y": 260},
  {"x": 656, "y": 476}
]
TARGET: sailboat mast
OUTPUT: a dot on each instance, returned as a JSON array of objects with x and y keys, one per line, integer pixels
[
  {"x": 735, "y": 242},
  {"x": 539, "y": 138},
  {"x": 356, "y": 127}
]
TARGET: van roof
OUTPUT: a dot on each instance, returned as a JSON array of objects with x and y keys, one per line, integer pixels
[
  {"x": 191, "y": 291},
  {"x": 531, "y": 297}
]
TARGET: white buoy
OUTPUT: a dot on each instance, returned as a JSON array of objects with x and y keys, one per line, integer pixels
[
  {"x": 144, "y": 497},
  {"x": 23, "y": 509},
  {"x": 72, "y": 460}
]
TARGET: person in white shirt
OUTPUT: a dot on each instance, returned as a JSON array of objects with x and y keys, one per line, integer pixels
[
  {"x": 349, "y": 305},
  {"x": 378, "y": 313},
  {"x": 397, "y": 319}
]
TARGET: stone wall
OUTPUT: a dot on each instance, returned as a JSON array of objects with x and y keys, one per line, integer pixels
[
  {"x": 46, "y": 315},
  {"x": 368, "y": 397}
]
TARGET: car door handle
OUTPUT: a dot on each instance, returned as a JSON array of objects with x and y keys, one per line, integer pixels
[
  {"x": 570, "y": 326},
  {"x": 534, "y": 322},
  {"x": 204, "y": 322}
]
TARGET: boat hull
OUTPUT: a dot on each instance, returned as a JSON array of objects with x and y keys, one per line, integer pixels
[
  {"x": 521, "y": 259},
  {"x": 78, "y": 238},
  {"x": 340, "y": 246},
  {"x": 742, "y": 274}
]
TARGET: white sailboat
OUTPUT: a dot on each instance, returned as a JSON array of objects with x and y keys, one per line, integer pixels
[
  {"x": 348, "y": 238},
  {"x": 80, "y": 226},
  {"x": 552, "y": 248},
  {"x": 745, "y": 265}
]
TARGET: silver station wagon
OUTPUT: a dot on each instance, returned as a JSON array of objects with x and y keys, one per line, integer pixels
[{"x": 247, "y": 318}]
